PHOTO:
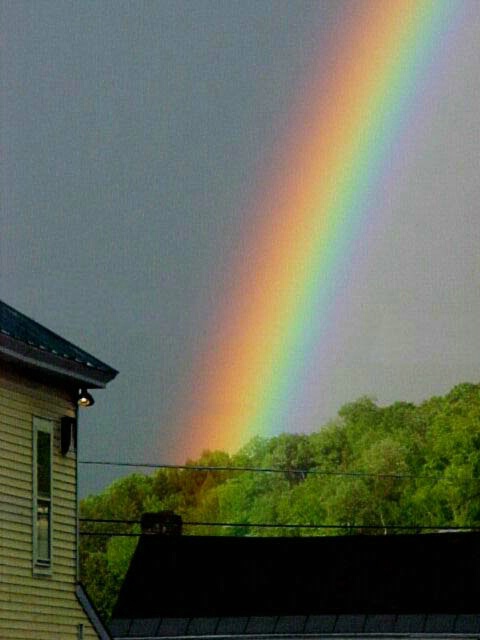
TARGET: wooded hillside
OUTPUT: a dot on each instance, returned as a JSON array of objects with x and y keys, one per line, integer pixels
[{"x": 371, "y": 470}]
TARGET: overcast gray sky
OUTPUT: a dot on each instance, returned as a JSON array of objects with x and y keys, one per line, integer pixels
[{"x": 133, "y": 135}]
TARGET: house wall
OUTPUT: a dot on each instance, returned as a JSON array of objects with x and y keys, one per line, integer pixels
[{"x": 36, "y": 607}]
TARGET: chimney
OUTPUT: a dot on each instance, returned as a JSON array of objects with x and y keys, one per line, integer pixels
[{"x": 165, "y": 523}]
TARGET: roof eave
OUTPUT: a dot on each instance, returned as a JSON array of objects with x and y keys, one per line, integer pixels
[{"x": 21, "y": 353}]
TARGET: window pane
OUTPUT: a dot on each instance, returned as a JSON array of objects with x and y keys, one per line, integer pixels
[
  {"x": 43, "y": 463},
  {"x": 43, "y": 530}
]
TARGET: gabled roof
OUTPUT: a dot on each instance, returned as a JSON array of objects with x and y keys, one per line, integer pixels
[
  {"x": 219, "y": 586},
  {"x": 28, "y": 342}
]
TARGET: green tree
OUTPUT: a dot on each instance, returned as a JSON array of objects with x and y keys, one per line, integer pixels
[{"x": 372, "y": 466}]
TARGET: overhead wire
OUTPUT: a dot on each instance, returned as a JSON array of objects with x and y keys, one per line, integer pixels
[
  {"x": 267, "y": 525},
  {"x": 294, "y": 471},
  {"x": 416, "y": 530},
  {"x": 283, "y": 525}
]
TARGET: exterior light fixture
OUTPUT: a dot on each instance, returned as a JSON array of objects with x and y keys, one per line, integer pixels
[{"x": 85, "y": 399}]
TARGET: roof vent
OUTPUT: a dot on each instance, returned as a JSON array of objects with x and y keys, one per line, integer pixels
[{"x": 166, "y": 523}]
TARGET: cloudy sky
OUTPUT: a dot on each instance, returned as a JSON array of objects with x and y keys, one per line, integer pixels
[{"x": 133, "y": 137}]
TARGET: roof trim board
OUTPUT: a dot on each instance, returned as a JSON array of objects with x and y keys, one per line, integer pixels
[
  {"x": 18, "y": 352},
  {"x": 92, "y": 614},
  {"x": 27, "y": 342}
]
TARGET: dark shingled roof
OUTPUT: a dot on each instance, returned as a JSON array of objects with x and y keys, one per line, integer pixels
[
  {"x": 34, "y": 344},
  {"x": 196, "y": 586},
  {"x": 338, "y": 625}
]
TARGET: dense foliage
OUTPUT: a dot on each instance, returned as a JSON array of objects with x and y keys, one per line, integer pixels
[{"x": 400, "y": 465}]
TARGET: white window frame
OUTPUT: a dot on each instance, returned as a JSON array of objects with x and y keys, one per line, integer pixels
[{"x": 42, "y": 566}]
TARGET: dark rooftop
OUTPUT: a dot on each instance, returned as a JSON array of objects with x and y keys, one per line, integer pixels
[
  {"x": 180, "y": 586},
  {"x": 24, "y": 339},
  {"x": 338, "y": 625}
]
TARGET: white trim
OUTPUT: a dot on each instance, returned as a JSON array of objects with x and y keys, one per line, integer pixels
[{"x": 41, "y": 567}]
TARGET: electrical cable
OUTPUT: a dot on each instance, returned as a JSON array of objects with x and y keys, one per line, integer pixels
[
  {"x": 264, "y": 525},
  {"x": 302, "y": 472}
]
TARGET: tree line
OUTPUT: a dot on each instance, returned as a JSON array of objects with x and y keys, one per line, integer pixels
[{"x": 370, "y": 470}]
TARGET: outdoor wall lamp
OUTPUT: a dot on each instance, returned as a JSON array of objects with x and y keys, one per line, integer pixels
[{"x": 85, "y": 399}]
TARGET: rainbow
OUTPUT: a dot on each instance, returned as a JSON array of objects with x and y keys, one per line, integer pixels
[{"x": 336, "y": 156}]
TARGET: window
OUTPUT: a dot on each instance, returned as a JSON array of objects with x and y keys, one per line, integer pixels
[{"x": 42, "y": 494}]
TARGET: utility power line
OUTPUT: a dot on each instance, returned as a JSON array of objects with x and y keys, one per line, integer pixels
[
  {"x": 301, "y": 472},
  {"x": 265, "y": 525}
]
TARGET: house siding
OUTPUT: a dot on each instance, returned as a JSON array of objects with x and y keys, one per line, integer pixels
[{"x": 33, "y": 606}]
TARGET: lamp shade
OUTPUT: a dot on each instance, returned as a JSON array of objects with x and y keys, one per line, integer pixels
[{"x": 85, "y": 399}]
